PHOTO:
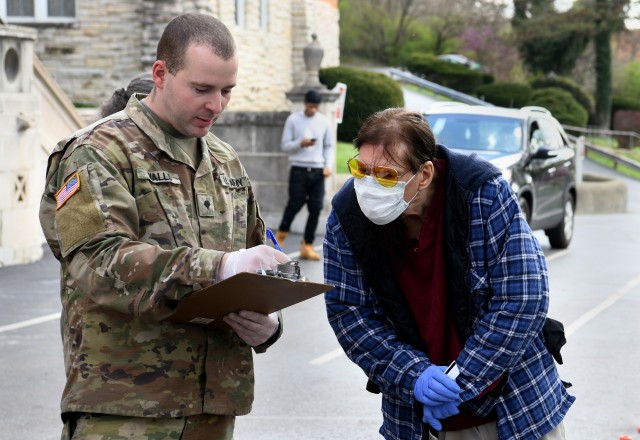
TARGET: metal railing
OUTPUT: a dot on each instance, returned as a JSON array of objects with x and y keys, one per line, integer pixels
[
  {"x": 589, "y": 147},
  {"x": 410, "y": 78},
  {"x": 634, "y": 138}
]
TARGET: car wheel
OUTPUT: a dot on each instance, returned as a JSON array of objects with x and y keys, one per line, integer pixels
[
  {"x": 525, "y": 208},
  {"x": 560, "y": 236}
]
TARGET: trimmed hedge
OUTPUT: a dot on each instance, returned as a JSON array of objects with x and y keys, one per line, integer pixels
[
  {"x": 367, "y": 93},
  {"x": 621, "y": 103},
  {"x": 452, "y": 75},
  {"x": 505, "y": 94},
  {"x": 583, "y": 97},
  {"x": 562, "y": 106}
]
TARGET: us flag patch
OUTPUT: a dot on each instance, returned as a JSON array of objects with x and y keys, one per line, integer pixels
[{"x": 70, "y": 187}]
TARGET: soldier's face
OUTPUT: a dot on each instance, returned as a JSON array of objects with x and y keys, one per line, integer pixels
[{"x": 193, "y": 99}]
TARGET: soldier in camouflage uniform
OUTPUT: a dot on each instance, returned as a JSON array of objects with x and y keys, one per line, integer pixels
[{"x": 143, "y": 208}]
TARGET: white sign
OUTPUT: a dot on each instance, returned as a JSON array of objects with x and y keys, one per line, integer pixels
[{"x": 342, "y": 89}]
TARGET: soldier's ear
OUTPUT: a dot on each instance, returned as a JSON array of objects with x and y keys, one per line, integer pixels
[{"x": 159, "y": 73}]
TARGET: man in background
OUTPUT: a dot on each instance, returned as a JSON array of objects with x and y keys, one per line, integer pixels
[{"x": 308, "y": 140}]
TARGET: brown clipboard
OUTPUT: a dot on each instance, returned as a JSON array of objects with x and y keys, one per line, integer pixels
[{"x": 244, "y": 291}]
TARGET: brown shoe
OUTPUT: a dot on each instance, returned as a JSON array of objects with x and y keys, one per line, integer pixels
[
  {"x": 280, "y": 236},
  {"x": 307, "y": 252}
]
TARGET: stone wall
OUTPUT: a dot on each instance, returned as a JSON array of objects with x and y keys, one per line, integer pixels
[
  {"x": 320, "y": 18},
  {"x": 96, "y": 54},
  {"x": 264, "y": 73},
  {"x": 256, "y": 137}
]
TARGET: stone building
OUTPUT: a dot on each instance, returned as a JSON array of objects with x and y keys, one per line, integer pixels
[
  {"x": 92, "y": 47},
  {"x": 87, "y": 49}
]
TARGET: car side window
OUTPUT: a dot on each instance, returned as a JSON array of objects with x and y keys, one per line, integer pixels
[
  {"x": 552, "y": 137},
  {"x": 537, "y": 137}
]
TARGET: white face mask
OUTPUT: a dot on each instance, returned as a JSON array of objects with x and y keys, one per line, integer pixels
[{"x": 380, "y": 204}]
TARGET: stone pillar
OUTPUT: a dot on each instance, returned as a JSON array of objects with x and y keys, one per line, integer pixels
[
  {"x": 21, "y": 179},
  {"x": 155, "y": 17},
  {"x": 313, "y": 54}
]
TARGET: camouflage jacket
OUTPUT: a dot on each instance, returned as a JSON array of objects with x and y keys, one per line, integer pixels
[{"x": 136, "y": 228}]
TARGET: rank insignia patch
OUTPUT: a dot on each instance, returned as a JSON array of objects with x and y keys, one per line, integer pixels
[{"x": 70, "y": 187}]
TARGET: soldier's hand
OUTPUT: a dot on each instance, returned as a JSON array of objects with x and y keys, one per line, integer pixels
[
  {"x": 251, "y": 260},
  {"x": 252, "y": 327}
]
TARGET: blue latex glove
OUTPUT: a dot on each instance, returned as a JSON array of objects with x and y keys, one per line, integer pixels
[
  {"x": 433, "y": 414},
  {"x": 433, "y": 387}
]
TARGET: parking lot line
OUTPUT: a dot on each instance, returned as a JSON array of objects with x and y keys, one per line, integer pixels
[
  {"x": 29, "y": 322},
  {"x": 556, "y": 255},
  {"x": 327, "y": 357},
  {"x": 604, "y": 305}
]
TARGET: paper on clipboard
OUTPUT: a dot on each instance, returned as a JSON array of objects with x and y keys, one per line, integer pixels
[{"x": 244, "y": 291}]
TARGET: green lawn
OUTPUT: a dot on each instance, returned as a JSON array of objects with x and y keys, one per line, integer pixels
[
  {"x": 427, "y": 92},
  {"x": 610, "y": 144},
  {"x": 345, "y": 151},
  {"x": 602, "y": 141},
  {"x": 602, "y": 160}
]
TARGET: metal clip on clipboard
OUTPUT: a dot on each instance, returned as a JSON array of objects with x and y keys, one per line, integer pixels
[{"x": 289, "y": 270}]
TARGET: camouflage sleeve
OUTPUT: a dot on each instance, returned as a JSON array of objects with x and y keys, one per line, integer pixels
[{"x": 97, "y": 228}]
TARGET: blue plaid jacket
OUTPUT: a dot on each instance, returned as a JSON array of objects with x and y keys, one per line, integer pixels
[{"x": 507, "y": 285}]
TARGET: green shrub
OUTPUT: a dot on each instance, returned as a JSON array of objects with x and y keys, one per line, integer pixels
[
  {"x": 583, "y": 97},
  {"x": 455, "y": 76},
  {"x": 367, "y": 93},
  {"x": 624, "y": 103},
  {"x": 505, "y": 94},
  {"x": 629, "y": 84},
  {"x": 561, "y": 104}
]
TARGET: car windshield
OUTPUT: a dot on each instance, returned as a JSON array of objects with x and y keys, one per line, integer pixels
[{"x": 477, "y": 132}]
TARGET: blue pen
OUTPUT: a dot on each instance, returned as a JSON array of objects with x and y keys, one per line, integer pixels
[{"x": 273, "y": 239}]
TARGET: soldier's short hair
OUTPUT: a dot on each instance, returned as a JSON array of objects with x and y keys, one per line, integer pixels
[{"x": 198, "y": 29}]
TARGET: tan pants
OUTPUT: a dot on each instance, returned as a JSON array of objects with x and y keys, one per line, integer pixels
[
  {"x": 490, "y": 432},
  {"x": 86, "y": 426}
]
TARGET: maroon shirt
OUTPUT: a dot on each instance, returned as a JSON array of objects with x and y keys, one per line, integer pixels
[{"x": 423, "y": 280}]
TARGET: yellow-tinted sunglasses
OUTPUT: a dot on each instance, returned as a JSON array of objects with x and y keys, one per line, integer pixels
[{"x": 385, "y": 176}]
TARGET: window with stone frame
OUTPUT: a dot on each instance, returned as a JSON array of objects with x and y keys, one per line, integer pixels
[
  {"x": 38, "y": 11},
  {"x": 264, "y": 15},
  {"x": 240, "y": 18}
]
